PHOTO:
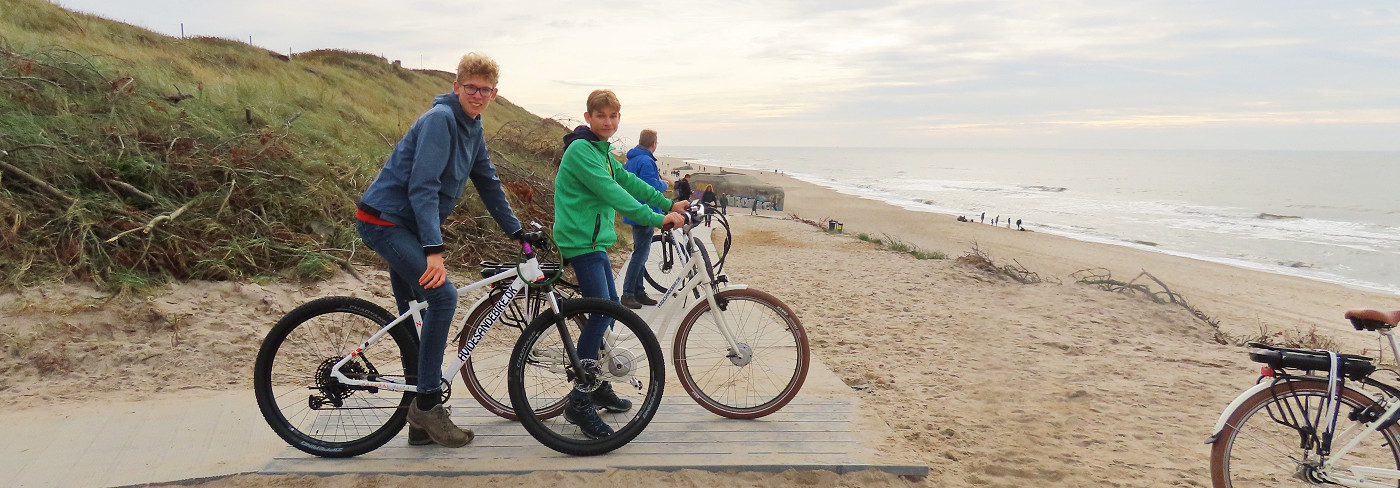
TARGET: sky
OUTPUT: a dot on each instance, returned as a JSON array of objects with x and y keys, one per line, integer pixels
[{"x": 1171, "y": 74}]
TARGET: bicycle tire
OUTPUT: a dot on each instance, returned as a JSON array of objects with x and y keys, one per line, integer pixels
[
  {"x": 769, "y": 378},
  {"x": 296, "y": 356},
  {"x": 659, "y": 279},
  {"x": 485, "y": 372},
  {"x": 634, "y": 365},
  {"x": 1256, "y": 450}
]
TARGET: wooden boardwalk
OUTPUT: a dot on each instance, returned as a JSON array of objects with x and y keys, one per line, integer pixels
[{"x": 817, "y": 431}]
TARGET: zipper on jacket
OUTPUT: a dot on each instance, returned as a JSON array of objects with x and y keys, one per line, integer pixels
[{"x": 597, "y": 227}]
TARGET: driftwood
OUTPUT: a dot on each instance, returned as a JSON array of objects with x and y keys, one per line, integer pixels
[
  {"x": 160, "y": 219},
  {"x": 1102, "y": 278},
  {"x": 1018, "y": 272}
]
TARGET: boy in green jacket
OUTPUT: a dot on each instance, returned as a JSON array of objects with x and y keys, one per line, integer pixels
[{"x": 590, "y": 188}]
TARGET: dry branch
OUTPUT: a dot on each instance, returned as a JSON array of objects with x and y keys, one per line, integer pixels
[
  {"x": 35, "y": 78},
  {"x": 130, "y": 189},
  {"x": 1103, "y": 278},
  {"x": 50, "y": 189},
  {"x": 160, "y": 219}
]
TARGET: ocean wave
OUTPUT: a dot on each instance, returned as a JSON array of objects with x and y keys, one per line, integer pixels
[{"x": 1269, "y": 216}]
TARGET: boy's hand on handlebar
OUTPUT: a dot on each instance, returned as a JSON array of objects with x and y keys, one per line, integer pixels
[
  {"x": 680, "y": 207},
  {"x": 436, "y": 274},
  {"x": 672, "y": 220},
  {"x": 534, "y": 238}
]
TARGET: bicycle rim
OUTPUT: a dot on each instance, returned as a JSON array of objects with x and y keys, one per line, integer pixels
[
  {"x": 633, "y": 364},
  {"x": 485, "y": 372},
  {"x": 308, "y": 408},
  {"x": 1260, "y": 444},
  {"x": 767, "y": 372}
]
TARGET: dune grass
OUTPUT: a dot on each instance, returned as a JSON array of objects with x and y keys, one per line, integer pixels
[{"x": 132, "y": 158}]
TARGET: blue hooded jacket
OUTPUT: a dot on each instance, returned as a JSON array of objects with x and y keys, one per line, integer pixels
[
  {"x": 641, "y": 162},
  {"x": 423, "y": 178}
]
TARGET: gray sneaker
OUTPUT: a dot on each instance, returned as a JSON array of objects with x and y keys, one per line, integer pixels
[
  {"x": 630, "y": 302},
  {"x": 418, "y": 437},
  {"x": 439, "y": 426}
]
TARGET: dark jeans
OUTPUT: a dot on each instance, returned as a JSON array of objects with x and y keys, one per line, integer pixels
[
  {"x": 404, "y": 253},
  {"x": 633, "y": 280},
  {"x": 595, "y": 280}
]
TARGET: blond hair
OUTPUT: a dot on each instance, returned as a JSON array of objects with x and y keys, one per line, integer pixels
[
  {"x": 476, "y": 64},
  {"x": 647, "y": 139},
  {"x": 601, "y": 99}
]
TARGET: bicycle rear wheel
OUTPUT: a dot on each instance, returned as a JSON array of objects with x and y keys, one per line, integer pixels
[
  {"x": 1259, "y": 445},
  {"x": 486, "y": 370},
  {"x": 769, "y": 367},
  {"x": 309, "y": 408},
  {"x": 540, "y": 375}
]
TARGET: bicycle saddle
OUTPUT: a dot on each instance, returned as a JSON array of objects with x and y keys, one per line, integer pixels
[{"x": 1373, "y": 319}]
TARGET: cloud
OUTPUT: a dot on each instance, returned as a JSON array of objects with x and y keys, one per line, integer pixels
[{"x": 887, "y": 72}]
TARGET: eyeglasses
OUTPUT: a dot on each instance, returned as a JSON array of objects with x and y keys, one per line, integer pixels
[{"x": 469, "y": 89}]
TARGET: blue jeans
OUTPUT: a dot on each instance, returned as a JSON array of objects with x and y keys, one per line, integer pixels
[
  {"x": 633, "y": 280},
  {"x": 403, "y": 251},
  {"x": 595, "y": 280}
]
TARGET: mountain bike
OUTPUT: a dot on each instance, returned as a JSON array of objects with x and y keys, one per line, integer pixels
[
  {"x": 329, "y": 384},
  {"x": 1314, "y": 417}
]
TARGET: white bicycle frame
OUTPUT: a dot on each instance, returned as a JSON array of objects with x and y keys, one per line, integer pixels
[
  {"x": 528, "y": 270},
  {"x": 1360, "y": 476},
  {"x": 691, "y": 277}
]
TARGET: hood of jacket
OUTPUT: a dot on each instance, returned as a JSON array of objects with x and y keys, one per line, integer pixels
[
  {"x": 463, "y": 120},
  {"x": 580, "y": 132}
]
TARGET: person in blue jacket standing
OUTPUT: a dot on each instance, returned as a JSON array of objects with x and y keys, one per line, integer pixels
[
  {"x": 641, "y": 161},
  {"x": 400, "y": 217}
]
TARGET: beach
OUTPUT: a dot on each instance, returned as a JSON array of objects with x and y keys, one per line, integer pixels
[{"x": 987, "y": 380}]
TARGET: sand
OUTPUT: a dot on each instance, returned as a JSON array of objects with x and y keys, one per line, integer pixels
[{"x": 989, "y": 381}]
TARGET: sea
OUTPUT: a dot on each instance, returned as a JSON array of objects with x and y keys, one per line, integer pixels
[{"x": 1332, "y": 216}]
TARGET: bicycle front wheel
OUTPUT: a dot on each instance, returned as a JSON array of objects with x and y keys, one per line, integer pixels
[
  {"x": 485, "y": 371},
  {"x": 309, "y": 408},
  {"x": 766, "y": 370},
  {"x": 1259, "y": 445},
  {"x": 540, "y": 375}
]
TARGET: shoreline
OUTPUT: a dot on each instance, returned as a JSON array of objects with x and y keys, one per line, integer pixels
[
  {"x": 919, "y": 206},
  {"x": 1245, "y": 300}
]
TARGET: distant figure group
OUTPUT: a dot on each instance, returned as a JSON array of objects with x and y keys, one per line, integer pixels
[{"x": 996, "y": 221}]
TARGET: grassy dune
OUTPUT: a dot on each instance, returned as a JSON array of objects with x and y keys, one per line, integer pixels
[{"x": 208, "y": 158}]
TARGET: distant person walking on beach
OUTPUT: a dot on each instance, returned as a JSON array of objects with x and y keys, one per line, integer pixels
[
  {"x": 641, "y": 161},
  {"x": 754, "y": 209},
  {"x": 1018, "y": 225},
  {"x": 683, "y": 188},
  {"x": 589, "y": 190},
  {"x": 984, "y": 217},
  {"x": 400, "y": 217},
  {"x": 711, "y": 202}
]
